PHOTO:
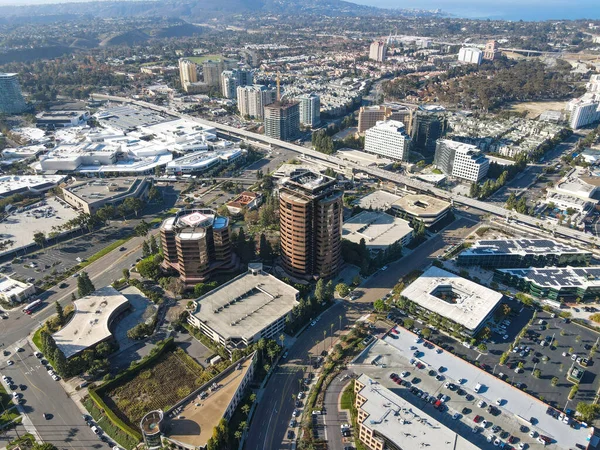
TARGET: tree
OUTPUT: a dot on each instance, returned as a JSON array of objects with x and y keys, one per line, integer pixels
[
  {"x": 106, "y": 213},
  {"x": 380, "y": 306},
  {"x": 588, "y": 412},
  {"x": 133, "y": 204},
  {"x": 142, "y": 228},
  {"x": 320, "y": 291},
  {"x": 537, "y": 373},
  {"x": 265, "y": 252},
  {"x": 246, "y": 409},
  {"x": 84, "y": 285},
  {"x": 426, "y": 333},
  {"x": 145, "y": 249},
  {"x": 329, "y": 290},
  {"x": 342, "y": 289},
  {"x": 356, "y": 280},
  {"x": 554, "y": 381},
  {"x": 39, "y": 238},
  {"x": 154, "y": 245},
  {"x": 149, "y": 268},
  {"x": 73, "y": 297},
  {"x": 126, "y": 274},
  {"x": 154, "y": 194},
  {"x": 60, "y": 314}
]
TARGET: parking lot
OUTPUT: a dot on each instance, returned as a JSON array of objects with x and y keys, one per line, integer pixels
[{"x": 516, "y": 413}]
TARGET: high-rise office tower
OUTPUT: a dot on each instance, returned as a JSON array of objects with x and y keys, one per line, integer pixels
[
  {"x": 378, "y": 51},
  {"x": 310, "y": 220},
  {"x": 310, "y": 110},
  {"x": 212, "y": 72},
  {"x": 11, "y": 97},
  {"x": 491, "y": 50},
  {"x": 282, "y": 120},
  {"x": 196, "y": 243},
  {"x": 187, "y": 73},
  {"x": 232, "y": 79},
  {"x": 388, "y": 139},
  {"x": 428, "y": 129},
  {"x": 253, "y": 99}
]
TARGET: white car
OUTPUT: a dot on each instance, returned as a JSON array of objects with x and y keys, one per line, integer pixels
[
  {"x": 9, "y": 363},
  {"x": 522, "y": 445},
  {"x": 533, "y": 433},
  {"x": 455, "y": 416},
  {"x": 481, "y": 404},
  {"x": 498, "y": 401},
  {"x": 5, "y": 378},
  {"x": 497, "y": 442},
  {"x": 55, "y": 377},
  {"x": 51, "y": 372},
  {"x": 38, "y": 355}
]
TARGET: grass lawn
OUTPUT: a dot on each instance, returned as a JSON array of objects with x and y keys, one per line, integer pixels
[
  {"x": 37, "y": 339},
  {"x": 5, "y": 399},
  {"x": 201, "y": 59},
  {"x": 8, "y": 416},
  {"x": 24, "y": 442},
  {"x": 104, "y": 251},
  {"x": 160, "y": 386},
  {"x": 347, "y": 397}
]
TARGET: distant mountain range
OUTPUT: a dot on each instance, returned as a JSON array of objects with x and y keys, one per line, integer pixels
[{"x": 195, "y": 10}]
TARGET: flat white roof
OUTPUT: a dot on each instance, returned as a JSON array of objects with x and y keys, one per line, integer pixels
[
  {"x": 418, "y": 204},
  {"x": 516, "y": 402},
  {"x": 11, "y": 183},
  {"x": 378, "y": 200},
  {"x": 246, "y": 305},
  {"x": 378, "y": 229},
  {"x": 391, "y": 416},
  {"x": 10, "y": 287},
  {"x": 89, "y": 324},
  {"x": 466, "y": 302}
]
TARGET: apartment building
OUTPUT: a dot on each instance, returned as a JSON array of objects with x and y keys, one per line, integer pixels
[
  {"x": 253, "y": 99},
  {"x": 232, "y": 79},
  {"x": 282, "y": 120},
  {"x": 470, "y": 55},
  {"x": 188, "y": 73},
  {"x": 460, "y": 160},
  {"x": 368, "y": 116},
  {"x": 11, "y": 97},
  {"x": 378, "y": 51},
  {"x": 310, "y": 110}
]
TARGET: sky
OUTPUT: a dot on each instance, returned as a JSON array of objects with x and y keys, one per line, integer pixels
[
  {"x": 477, "y": 9},
  {"x": 501, "y": 9}
]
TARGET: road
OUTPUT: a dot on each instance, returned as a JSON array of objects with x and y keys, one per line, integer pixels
[
  {"x": 102, "y": 273},
  {"x": 65, "y": 428},
  {"x": 373, "y": 171},
  {"x": 334, "y": 417},
  {"x": 276, "y": 405}
]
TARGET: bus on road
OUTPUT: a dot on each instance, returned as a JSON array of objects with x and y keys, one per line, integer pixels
[{"x": 29, "y": 309}]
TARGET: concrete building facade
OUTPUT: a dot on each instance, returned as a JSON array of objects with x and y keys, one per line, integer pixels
[
  {"x": 460, "y": 160},
  {"x": 253, "y": 99},
  {"x": 188, "y": 73},
  {"x": 470, "y": 55},
  {"x": 310, "y": 215},
  {"x": 388, "y": 139},
  {"x": 196, "y": 243},
  {"x": 282, "y": 120},
  {"x": 368, "y": 116},
  {"x": 491, "y": 51},
  {"x": 310, "y": 110},
  {"x": 232, "y": 79},
  {"x": 11, "y": 97},
  {"x": 378, "y": 51}
]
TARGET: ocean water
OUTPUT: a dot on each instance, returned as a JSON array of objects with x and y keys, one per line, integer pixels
[{"x": 529, "y": 10}]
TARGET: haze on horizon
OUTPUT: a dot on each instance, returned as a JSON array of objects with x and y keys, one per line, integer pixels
[{"x": 530, "y": 10}]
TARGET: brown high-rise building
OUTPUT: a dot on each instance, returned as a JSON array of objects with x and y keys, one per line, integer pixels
[
  {"x": 368, "y": 116},
  {"x": 310, "y": 219},
  {"x": 196, "y": 243},
  {"x": 491, "y": 50}
]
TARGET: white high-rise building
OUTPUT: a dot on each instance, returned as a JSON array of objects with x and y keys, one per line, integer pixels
[
  {"x": 470, "y": 55},
  {"x": 584, "y": 111},
  {"x": 310, "y": 110},
  {"x": 11, "y": 97},
  {"x": 388, "y": 139},
  {"x": 378, "y": 51},
  {"x": 187, "y": 72},
  {"x": 460, "y": 160},
  {"x": 253, "y": 99},
  {"x": 232, "y": 79}
]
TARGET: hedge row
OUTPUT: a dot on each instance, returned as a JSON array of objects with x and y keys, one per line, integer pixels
[{"x": 96, "y": 394}]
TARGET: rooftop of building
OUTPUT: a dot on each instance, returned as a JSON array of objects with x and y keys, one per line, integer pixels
[
  {"x": 282, "y": 104},
  {"x": 60, "y": 114},
  {"x": 12, "y": 183},
  {"x": 520, "y": 247},
  {"x": 205, "y": 158},
  {"x": 378, "y": 229},
  {"x": 559, "y": 277},
  {"x": 244, "y": 199},
  {"x": 128, "y": 117},
  {"x": 90, "y": 322},
  {"x": 387, "y": 125},
  {"x": 10, "y": 286},
  {"x": 309, "y": 181},
  {"x": 381, "y": 200},
  {"x": 191, "y": 223},
  {"x": 246, "y": 305},
  {"x": 459, "y": 146},
  {"x": 421, "y": 205},
  {"x": 458, "y": 299},
  {"x": 96, "y": 190},
  {"x": 362, "y": 158},
  {"x": 394, "y": 418},
  {"x": 194, "y": 425}
]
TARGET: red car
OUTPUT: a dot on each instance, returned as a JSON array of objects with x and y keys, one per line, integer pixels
[
  {"x": 395, "y": 331},
  {"x": 477, "y": 419},
  {"x": 511, "y": 439}
]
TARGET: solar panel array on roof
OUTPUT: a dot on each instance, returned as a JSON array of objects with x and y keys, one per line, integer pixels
[{"x": 558, "y": 276}]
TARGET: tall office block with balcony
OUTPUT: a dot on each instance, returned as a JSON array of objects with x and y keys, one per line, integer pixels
[{"x": 310, "y": 215}]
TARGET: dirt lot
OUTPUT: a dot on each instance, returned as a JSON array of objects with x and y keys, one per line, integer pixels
[{"x": 534, "y": 109}]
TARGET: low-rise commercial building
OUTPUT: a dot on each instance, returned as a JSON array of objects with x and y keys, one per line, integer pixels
[
  {"x": 61, "y": 119},
  {"x": 378, "y": 229},
  {"x": 196, "y": 243},
  {"x": 247, "y": 200},
  {"x": 457, "y": 299},
  {"x": 555, "y": 283},
  {"x": 89, "y": 196},
  {"x": 13, "y": 291},
  {"x": 388, "y": 139},
  {"x": 91, "y": 322},
  {"x": 387, "y": 421},
  {"x": 379, "y": 200},
  {"x": 252, "y": 306},
  {"x": 517, "y": 253},
  {"x": 427, "y": 209},
  {"x": 203, "y": 160},
  {"x": 28, "y": 184}
]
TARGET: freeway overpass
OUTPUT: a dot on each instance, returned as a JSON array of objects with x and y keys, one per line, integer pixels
[{"x": 373, "y": 171}]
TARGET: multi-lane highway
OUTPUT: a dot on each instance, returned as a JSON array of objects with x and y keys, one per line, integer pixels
[{"x": 374, "y": 171}]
